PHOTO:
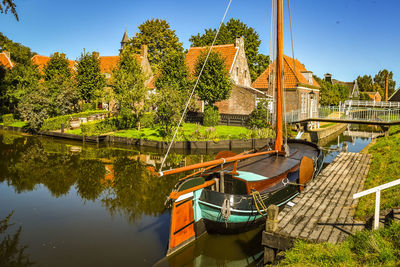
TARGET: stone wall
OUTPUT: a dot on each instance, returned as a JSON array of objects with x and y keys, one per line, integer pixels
[{"x": 242, "y": 101}]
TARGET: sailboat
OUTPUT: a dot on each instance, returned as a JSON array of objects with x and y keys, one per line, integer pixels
[{"x": 231, "y": 193}]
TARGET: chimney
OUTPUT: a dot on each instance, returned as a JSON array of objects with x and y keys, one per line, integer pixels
[
  {"x": 8, "y": 54},
  {"x": 328, "y": 77},
  {"x": 96, "y": 54},
  {"x": 239, "y": 42},
  {"x": 143, "y": 51},
  {"x": 62, "y": 55}
]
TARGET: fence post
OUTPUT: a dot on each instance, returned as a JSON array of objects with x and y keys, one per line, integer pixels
[{"x": 377, "y": 207}]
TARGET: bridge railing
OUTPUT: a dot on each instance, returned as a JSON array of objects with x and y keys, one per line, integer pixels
[
  {"x": 365, "y": 103},
  {"x": 346, "y": 113}
]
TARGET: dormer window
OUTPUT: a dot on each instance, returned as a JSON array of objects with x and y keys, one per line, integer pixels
[{"x": 308, "y": 76}]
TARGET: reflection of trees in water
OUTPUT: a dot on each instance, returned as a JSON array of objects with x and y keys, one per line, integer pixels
[
  {"x": 130, "y": 189},
  {"x": 136, "y": 191},
  {"x": 11, "y": 252},
  {"x": 89, "y": 182}
]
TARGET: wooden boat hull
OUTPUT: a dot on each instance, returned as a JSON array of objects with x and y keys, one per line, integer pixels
[{"x": 235, "y": 210}]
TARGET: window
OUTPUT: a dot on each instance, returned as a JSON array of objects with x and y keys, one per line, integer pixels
[{"x": 304, "y": 103}]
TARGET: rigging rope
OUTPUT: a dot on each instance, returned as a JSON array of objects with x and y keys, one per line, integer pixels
[
  {"x": 259, "y": 201},
  {"x": 194, "y": 87}
]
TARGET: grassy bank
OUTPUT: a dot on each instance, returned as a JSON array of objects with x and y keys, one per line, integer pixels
[
  {"x": 20, "y": 124},
  {"x": 365, "y": 248},
  {"x": 384, "y": 168}
]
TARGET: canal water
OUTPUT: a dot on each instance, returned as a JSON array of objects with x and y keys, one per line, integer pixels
[{"x": 75, "y": 204}]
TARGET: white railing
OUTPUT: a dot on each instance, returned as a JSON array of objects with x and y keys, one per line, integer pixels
[
  {"x": 346, "y": 113},
  {"x": 377, "y": 190},
  {"x": 365, "y": 103}
]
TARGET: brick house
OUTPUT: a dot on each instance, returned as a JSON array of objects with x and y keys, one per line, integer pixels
[
  {"x": 243, "y": 96},
  {"x": 374, "y": 96},
  {"x": 301, "y": 89}
]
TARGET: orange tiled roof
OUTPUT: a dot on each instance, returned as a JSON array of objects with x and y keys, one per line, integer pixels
[
  {"x": 5, "y": 61},
  {"x": 228, "y": 52},
  {"x": 41, "y": 61},
  {"x": 108, "y": 63},
  {"x": 292, "y": 75}
]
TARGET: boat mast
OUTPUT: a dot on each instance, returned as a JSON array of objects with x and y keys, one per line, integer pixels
[{"x": 279, "y": 76}]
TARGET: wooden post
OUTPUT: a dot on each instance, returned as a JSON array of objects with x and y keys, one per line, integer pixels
[
  {"x": 62, "y": 127},
  {"x": 272, "y": 218},
  {"x": 221, "y": 182},
  {"x": 271, "y": 226}
]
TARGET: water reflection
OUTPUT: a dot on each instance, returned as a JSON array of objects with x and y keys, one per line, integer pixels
[
  {"x": 12, "y": 253},
  {"x": 116, "y": 177}
]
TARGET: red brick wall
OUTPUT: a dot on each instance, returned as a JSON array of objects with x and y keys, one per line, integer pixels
[{"x": 242, "y": 101}]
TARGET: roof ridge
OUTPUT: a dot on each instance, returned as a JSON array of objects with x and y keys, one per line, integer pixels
[{"x": 202, "y": 47}]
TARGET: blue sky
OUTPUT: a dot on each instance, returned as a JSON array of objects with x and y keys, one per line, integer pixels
[{"x": 344, "y": 37}]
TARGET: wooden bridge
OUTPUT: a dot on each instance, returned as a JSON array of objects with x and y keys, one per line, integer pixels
[{"x": 324, "y": 211}]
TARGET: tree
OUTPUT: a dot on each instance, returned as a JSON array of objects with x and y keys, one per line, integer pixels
[
  {"x": 35, "y": 106},
  {"x": 365, "y": 83},
  {"x": 19, "y": 53},
  {"x": 227, "y": 35},
  {"x": 18, "y": 82},
  {"x": 174, "y": 72},
  {"x": 214, "y": 84},
  {"x": 6, "y": 5},
  {"x": 170, "y": 103},
  {"x": 57, "y": 65},
  {"x": 331, "y": 94},
  {"x": 63, "y": 95},
  {"x": 90, "y": 80},
  {"x": 160, "y": 39},
  {"x": 380, "y": 79},
  {"x": 129, "y": 85}
]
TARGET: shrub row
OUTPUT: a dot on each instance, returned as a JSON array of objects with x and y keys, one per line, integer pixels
[
  {"x": 54, "y": 123},
  {"x": 92, "y": 128},
  {"x": 8, "y": 119}
]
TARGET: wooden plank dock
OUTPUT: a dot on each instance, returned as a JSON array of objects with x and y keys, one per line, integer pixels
[{"x": 324, "y": 211}]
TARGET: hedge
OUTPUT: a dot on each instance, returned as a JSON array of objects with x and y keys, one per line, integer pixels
[
  {"x": 55, "y": 122},
  {"x": 8, "y": 119},
  {"x": 99, "y": 127}
]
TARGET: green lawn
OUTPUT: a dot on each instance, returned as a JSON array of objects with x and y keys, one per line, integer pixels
[
  {"x": 20, "y": 124},
  {"x": 74, "y": 131},
  {"x": 384, "y": 168},
  {"x": 365, "y": 248},
  {"x": 190, "y": 131}
]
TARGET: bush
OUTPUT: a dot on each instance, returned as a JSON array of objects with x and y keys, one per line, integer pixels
[
  {"x": 99, "y": 127},
  {"x": 147, "y": 121},
  {"x": 55, "y": 122},
  {"x": 211, "y": 116},
  {"x": 261, "y": 116},
  {"x": 8, "y": 119}
]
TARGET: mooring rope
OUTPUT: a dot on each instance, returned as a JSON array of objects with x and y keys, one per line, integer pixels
[
  {"x": 259, "y": 201},
  {"x": 194, "y": 87}
]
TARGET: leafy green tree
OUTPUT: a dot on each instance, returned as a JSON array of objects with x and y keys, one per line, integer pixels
[
  {"x": 18, "y": 53},
  {"x": 129, "y": 86},
  {"x": 331, "y": 94},
  {"x": 261, "y": 116},
  {"x": 170, "y": 103},
  {"x": 18, "y": 82},
  {"x": 90, "y": 80},
  {"x": 380, "y": 79},
  {"x": 174, "y": 72},
  {"x": 214, "y": 84},
  {"x": 63, "y": 94},
  {"x": 160, "y": 39},
  {"x": 365, "y": 83},
  {"x": 227, "y": 35},
  {"x": 6, "y": 5},
  {"x": 35, "y": 106},
  {"x": 57, "y": 65}
]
